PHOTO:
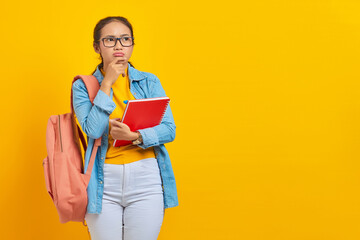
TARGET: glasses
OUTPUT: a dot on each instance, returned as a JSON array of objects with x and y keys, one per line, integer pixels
[{"x": 124, "y": 41}]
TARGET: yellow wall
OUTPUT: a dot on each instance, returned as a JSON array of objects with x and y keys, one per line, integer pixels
[{"x": 265, "y": 96}]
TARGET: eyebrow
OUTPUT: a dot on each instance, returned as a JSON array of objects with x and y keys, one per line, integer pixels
[{"x": 120, "y": 35}]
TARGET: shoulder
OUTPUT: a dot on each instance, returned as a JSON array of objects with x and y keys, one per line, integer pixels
[
  {"x": 150, "y": 76},
  {"x": 78, "y": 84},
  {"x": 79, "y": 88},
  {"x": 82, "y": 81},
  {"x": 143, "y": 75}
]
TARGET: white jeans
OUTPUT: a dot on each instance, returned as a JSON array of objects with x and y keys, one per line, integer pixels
[{"x": 132, "y": 205}]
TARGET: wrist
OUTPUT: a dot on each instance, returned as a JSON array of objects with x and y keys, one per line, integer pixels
[
  {"x": 135, "y": 135},
  {"x": 106, "y": 84},
  {"x": 138, "y": 139}
]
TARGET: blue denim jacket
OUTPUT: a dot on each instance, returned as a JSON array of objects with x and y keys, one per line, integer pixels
[{"x": 94, "y": 121}]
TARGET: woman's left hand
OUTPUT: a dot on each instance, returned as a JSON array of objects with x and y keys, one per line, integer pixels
[{"x": 121, "y": 131}]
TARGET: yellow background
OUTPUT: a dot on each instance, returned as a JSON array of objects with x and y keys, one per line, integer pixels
[{"x": 265, "y": 96}]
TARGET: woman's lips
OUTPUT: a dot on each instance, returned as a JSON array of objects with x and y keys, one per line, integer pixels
[{"x": 118, "y": 54}]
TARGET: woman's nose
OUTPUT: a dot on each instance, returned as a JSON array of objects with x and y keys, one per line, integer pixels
[{"x": 118, "y": 44}]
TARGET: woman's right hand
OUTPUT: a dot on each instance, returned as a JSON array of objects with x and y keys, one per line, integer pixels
[{"x": 114, "y": 69}]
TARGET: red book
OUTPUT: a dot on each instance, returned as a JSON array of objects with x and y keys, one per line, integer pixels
[{"x": 143, "y": 113}]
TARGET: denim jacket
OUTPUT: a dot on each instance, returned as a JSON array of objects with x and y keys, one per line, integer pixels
[{"x": 94, "y": 121}]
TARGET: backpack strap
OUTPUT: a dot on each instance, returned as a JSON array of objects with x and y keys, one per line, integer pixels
[{"x": 92, "y": 86}]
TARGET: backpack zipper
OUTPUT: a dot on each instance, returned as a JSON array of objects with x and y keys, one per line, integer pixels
[{"x": 60, "y": 135}]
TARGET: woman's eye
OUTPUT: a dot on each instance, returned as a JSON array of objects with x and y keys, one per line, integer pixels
[
  {"x": 110, "y": 39},
  {"x": 126, "y": 38}
]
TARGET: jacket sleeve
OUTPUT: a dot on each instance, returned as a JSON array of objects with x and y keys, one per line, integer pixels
[
  {"x": 92, "y": 118},
  {"x": 165, "y": 131}
]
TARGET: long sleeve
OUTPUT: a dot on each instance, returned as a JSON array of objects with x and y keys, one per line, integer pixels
[
  {"x": 92, "y": 118},
  {"x": 165, "y": 131}
]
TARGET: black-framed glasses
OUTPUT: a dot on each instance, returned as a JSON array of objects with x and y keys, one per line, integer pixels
[{"x": 125, "y": 41}]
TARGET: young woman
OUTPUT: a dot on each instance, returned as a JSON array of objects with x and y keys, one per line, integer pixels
[{"x": 130, "y": 186}]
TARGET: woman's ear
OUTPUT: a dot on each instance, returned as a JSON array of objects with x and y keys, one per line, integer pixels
[{"x": 96, "y": 48}]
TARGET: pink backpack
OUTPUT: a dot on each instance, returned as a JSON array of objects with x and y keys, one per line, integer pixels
[{"x": 63, "y": 167}]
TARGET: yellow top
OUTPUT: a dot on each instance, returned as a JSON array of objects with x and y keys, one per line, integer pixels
[{"x": 128, "y": 153}]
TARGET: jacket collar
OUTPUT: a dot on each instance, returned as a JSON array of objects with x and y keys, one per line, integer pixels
[{"x": 134, "y": 74}]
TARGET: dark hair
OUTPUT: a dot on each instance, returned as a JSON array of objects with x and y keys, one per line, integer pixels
[{"x": 102, "y": 23}]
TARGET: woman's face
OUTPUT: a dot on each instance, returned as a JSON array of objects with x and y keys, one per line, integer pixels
[{"x": 113, "y": 29}]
